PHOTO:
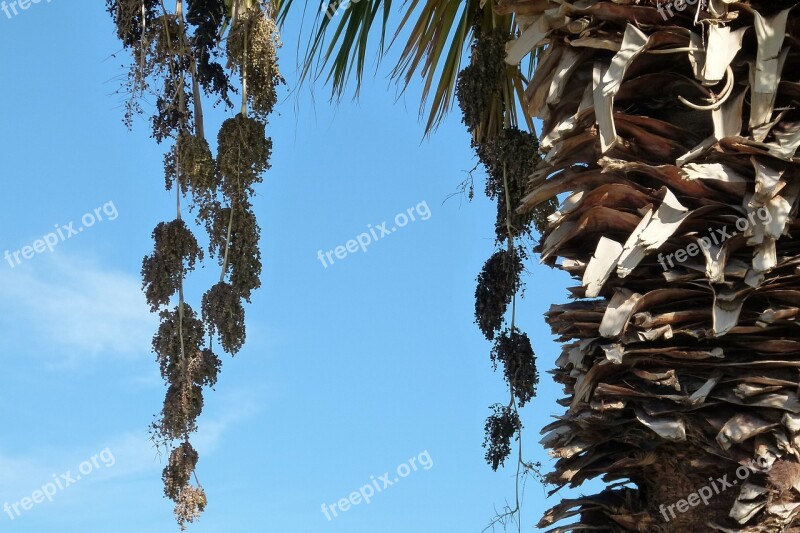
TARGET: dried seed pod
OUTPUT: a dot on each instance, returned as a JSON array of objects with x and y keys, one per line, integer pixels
[
  {"x": 224, "y": 315},
  {"x": 500, "y": 427},
  {"x": 175, "y": 252},
  {"x": 514, "y": 350},
  {"x": 497, "y": 283}
]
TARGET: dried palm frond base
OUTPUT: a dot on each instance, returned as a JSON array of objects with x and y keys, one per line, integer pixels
[{"x": 672, "y": 140}]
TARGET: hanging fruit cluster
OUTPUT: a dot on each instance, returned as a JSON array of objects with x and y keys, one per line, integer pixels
[
  {"x": 177, "y": 57},
  {"x": 509, "y": 156}
]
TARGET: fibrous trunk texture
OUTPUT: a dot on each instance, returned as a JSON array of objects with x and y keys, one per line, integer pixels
[{"x": 670, "y": 132}]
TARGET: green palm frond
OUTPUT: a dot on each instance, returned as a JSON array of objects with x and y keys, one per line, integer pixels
[{"x": 441, "y": 34}]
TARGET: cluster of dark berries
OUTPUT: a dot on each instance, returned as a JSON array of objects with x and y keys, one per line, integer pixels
[
  {"x": 175, "y": 253},
  {"x": 189, "y": 505},
  {"x": 207, "y": 18},
  {"x": 194, "y": 166},
  {"x": 511, "y": 157},
  {"x": 127, "y": 17},
  {"x": 243, "y": 252},
  {"x": 243, "y": 155},
  {"x": 178, "y": 471},
  {"x": 513, "y": 349},
  {"x": 482, "y": 80},
  {"x": 501, "y": 426},
  {"x": 224, "y": 314},
  {"x": 204, "y": 369},
  {"x": 497, "y": 283},
  {"x": 170, "y": 340},
  {"x": 183, "y": 403}
]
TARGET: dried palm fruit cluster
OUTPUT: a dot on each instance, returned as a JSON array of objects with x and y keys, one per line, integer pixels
[
  {"x": 501, "y": 426},
  {"x": 234, "y": 233},
  {"x": 483, "y": 78},
  {"x": 178, "y": 472},
  {"x": 223, "y": 312},
  {"x": 190, "y": 503},
  {"x": 509, "y": 156},
  {"x": 498, "y": 282},
  {"x": 513, "y": 349},
  {"x": 176, "y": 251},
  {"x": 672, "y": 131},
  {"x": 206, "y": 18},
  {"x": 244, "y": 152},
  {"x": 178, "y": 53},
  {"x": 197, "y": 171},
  {"x": 253, "y": 44}
]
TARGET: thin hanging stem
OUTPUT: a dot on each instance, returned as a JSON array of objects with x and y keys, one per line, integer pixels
[
  {"x": 244, "y": 71},
  {"x": 509, "y": 228},
  {"x": 196, "y": 97},
  {"x": 227, "y": 245}
]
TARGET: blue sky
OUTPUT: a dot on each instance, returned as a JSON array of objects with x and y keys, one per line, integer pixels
[{"x": 349, "y": 371}]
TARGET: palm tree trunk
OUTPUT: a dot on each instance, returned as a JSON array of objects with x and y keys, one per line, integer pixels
[{"x": 671, "y": 137}]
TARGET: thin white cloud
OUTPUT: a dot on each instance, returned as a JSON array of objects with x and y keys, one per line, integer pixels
[
  {"x": 133, "y": 452},
  {"x": 72, "y": 307},
  {"x": 228, "y": 410}
]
